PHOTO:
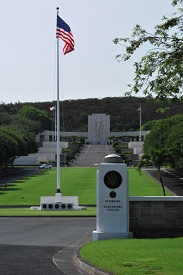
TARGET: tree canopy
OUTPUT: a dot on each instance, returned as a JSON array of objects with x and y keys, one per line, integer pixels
[
  {"x": 160, "y": 70},
  {"x": 14, "y": 144},
  {"x": 163, "y": 145},
  {"x": 37, "y": 115},
  {"x": 123, "y": 111},
  {"x": 17, "y": 135}
]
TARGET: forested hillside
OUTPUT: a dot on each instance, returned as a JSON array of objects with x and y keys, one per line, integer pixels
[{"x": 123, "y": 111}]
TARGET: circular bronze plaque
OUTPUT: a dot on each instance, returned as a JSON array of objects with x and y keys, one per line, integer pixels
[
  {"x": 112, "y": 179},
  {"x": 112, "y": 194}
]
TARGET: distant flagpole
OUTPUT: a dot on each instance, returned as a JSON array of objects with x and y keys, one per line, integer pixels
[
  {"x": 140, "y": 135},
  {"x": 55, "y": 125},
  {"x": 58, "y": 117},
  {"x": 55, "y": 119},
  {"x": 53, "y": 108}
]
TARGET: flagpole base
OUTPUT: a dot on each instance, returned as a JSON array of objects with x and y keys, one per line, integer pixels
[{"x": 58, "y": 197}]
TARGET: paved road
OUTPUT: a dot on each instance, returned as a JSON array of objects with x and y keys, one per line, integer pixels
[
  {"x": 37, "y": 246},
  {"x": 171, "y": 181}
]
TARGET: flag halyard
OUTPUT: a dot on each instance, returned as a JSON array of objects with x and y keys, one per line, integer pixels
[{"x": 64, "y": 32}]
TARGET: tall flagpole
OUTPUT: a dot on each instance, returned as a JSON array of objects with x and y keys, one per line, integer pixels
[{"x": 58, "y": 119}]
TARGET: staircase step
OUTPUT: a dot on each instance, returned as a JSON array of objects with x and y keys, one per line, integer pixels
[{"x": 92, "y": 155}]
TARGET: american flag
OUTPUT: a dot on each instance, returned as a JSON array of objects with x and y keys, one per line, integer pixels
[
  {"x": 64, "y": 32},
  {"x": 52, "y": 108}
]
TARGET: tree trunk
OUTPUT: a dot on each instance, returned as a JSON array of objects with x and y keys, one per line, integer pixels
[
  {"x": 6, "y": 165},
  {"x": 161, "y": 181}
]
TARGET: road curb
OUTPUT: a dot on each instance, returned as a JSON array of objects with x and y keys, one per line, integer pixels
[{"x": 82, "y": 264}]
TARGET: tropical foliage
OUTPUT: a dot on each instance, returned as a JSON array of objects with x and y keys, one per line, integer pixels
[
  {"x": 123, "y": 111},
  {"x": 159, "y": 71},
  {"x": 36, "y": 115},
  {"x": 163, "y": 145},
  {"x": 13, "y": 144},
  {"x": 17, "y": 132}
]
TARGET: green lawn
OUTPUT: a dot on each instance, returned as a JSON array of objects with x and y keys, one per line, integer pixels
[
  {"x": 79, "y": 182},
  {"x": 26, "y": 212},
  {"x": 144, "y": 185},
  {"x": 136, "y": 256}
]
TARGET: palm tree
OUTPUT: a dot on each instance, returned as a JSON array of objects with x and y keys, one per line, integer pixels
[{"x": 158, "y": 157}]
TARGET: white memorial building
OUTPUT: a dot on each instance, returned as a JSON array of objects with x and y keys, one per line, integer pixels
[
  {"x": 98, "y": 134},
  {"x": 98, "y": 131}
]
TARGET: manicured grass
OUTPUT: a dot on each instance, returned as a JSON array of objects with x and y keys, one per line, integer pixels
[
  {"x": 74, "y": 182},
  {"x": 26, "y": 212},
  {"x": 136, "y": 256},
  {"x": 144, "y": 185},
  {"x": 79, "y": 182}
]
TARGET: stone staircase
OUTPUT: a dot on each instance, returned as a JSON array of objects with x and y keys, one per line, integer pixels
[{"x": 92, "y": 155}]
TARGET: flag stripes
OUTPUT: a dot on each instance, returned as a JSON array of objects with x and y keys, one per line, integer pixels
[{"x": 64, "y": 32}]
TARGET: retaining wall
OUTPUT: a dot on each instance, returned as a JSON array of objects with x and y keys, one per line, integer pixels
[{"x": 156, "y": 217}]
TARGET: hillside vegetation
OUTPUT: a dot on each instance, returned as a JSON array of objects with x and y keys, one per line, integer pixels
[{"x": 123, "y": 111}]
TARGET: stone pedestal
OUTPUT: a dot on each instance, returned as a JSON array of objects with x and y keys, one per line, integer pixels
[{"x": 112, "y": 202}]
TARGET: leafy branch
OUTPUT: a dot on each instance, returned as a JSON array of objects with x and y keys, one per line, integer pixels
[{"x": 160, "y": 70}]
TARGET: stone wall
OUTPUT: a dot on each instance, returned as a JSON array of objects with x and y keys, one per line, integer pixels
[{"x": 156, "y": 217}]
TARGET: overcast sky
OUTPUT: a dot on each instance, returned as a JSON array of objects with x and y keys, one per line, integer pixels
[{"x": 28, "y": 47}]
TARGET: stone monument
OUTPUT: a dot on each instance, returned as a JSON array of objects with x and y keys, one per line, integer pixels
[
  {"x": 98, "y": 128},
  {"x": 112, "y": 200}
]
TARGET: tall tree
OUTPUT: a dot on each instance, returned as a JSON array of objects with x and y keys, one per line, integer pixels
[
  {"x": 38, "y": 115},
  {"x": 20, "y": 149},
  {"x": 9, "y": 148},
  {"x": 158, "y": 158},
  {"x": 24, "y": 124},
  {"x": 174, "y": 143},
  {"x": 160, "y": 70},
  {"x": 163, "y": 145}
]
